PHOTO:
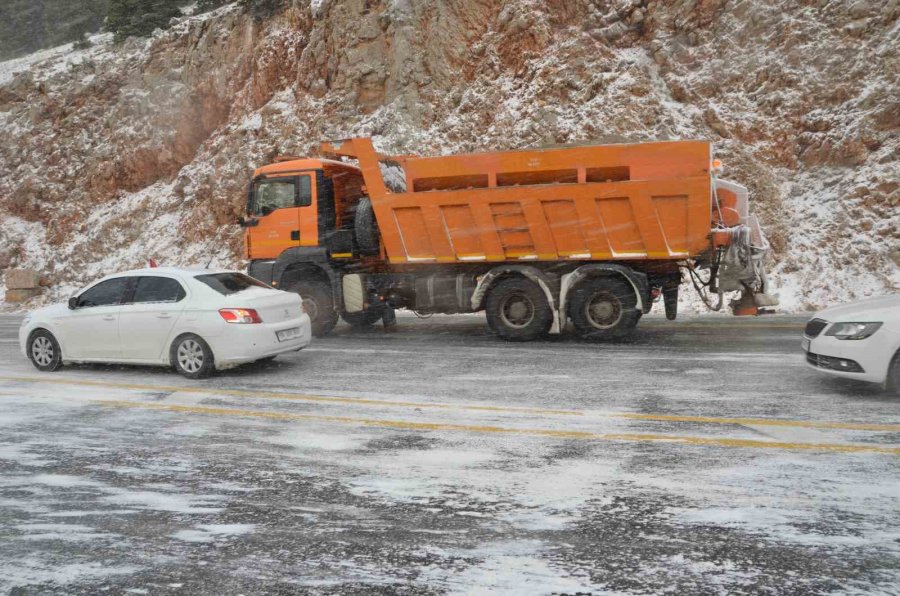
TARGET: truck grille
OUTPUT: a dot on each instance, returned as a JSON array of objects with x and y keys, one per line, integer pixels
[{"x": 814, "y": 327}]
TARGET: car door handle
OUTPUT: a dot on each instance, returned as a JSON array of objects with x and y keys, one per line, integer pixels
[
  {"x": 163, "y": 315},
  {"x": 109, "y": 317}
]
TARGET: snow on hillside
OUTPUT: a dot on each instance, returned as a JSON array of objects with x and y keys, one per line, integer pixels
[{"x": 117, "y": 154}]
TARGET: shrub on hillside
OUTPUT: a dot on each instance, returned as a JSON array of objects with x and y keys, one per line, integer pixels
[
  {"x": 262, "y": 8},
  {"x": 127, "y": 18},
  {"x": 258, "y": 8}
]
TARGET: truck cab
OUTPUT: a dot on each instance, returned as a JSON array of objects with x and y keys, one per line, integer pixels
[
  {"x": 298, "y": 230},
  {"x": 295, "y": 203}
]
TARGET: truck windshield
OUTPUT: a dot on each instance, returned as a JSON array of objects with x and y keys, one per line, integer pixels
[{"x": 230, "y": 283}]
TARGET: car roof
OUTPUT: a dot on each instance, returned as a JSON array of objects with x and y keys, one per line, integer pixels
[{"x": 186, "y": 271}]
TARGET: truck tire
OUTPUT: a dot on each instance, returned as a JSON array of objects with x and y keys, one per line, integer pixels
[
  {"x": 362, "y": 319},
  {"x": 367, "y": 235},
  {"x": 517, "y": 310},
  {"x": 603, "y": 308},
  {"x": 319, "y": 304}
]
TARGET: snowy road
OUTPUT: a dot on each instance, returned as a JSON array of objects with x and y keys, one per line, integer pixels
[{"x": 703, "y": 457}]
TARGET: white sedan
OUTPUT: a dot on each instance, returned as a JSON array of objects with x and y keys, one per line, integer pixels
[
  {"x": 860, "y": 340},
  {"x": 195, "y": 320}
]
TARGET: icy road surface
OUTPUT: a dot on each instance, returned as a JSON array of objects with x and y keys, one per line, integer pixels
[{"x": 701, "y": 458}]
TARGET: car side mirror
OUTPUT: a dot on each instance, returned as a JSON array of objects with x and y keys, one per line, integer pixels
[{"x": 73, "y": 302}]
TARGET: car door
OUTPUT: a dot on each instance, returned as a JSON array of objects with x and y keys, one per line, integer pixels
[
  {"x": 91, "y": 331},
  {"x": 146, "y": 321}
]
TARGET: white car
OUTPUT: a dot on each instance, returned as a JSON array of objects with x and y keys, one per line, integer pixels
[
  {"x": 195, "y": 320},
  {"x": 860, "y": 340}
]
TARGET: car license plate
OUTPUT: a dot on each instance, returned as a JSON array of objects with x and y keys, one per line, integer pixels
[
  {"x": 286, "y": 334},
  {"x": 805, "y": 345}
]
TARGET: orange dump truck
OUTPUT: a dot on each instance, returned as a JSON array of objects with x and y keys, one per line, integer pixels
[{"x": 587, "y": 234}]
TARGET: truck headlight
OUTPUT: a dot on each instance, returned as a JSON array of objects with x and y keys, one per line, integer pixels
[{"x": 853, "y": 330}]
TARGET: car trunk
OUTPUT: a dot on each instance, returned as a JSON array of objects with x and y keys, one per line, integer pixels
[{"x": 272, "y": 306}]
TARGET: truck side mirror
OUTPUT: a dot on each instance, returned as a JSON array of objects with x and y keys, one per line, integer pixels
[
  {"x": 73, "y": 302},
  {"x": 247, "y": 223}
]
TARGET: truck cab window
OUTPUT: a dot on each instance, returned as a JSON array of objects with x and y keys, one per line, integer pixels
[
  {"x": 304, "y": 192},
  {"x": 270, "y": 195},
  {"x": 280, "y": 193}
]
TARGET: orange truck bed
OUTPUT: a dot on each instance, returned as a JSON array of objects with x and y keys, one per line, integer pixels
[{"x": 645, "y": 201}]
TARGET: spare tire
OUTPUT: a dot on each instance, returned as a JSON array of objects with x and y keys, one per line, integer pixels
[{"x": 368, "y": 238}]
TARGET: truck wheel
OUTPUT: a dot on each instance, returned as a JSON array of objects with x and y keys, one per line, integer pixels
[
  {"x": 367, "y": 235},
  {"x": 517, "y": 310},
  {"x": 603, "y": 308},
  {"x": 319, "y": 305},
  {"x": 362, "y": 319}
]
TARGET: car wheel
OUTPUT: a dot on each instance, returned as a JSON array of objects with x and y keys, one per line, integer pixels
[
  {"x": 191, "y": 357},
  {"x": 603, "y": 308},
  {"x": 43, "y": 351},
  {"x": 893, "y": 376},
  {"x": 319, "y": 305},
  {"x": 517, "y": 310}
]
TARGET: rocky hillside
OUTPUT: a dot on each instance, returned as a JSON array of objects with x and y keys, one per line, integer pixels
[{"x": 114, "y": 154}]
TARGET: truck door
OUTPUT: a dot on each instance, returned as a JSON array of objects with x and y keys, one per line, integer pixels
[{"x": 284, "y": 213}]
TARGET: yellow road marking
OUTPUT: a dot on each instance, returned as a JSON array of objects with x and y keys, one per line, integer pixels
[
  {"x": 762, "y": 422},
  {"x": 503, "y": 409},
  {"x": 297, "y": 396},
  {"x": 540, "y": 432}
]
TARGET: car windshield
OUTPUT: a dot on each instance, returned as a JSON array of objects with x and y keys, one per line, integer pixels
[{"x": 230, "y": 283}]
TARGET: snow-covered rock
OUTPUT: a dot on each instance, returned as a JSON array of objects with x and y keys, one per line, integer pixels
[{"x": 112, "y": 155}]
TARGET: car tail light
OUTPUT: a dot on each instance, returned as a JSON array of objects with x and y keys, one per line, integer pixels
[{"x": 240, "y": 315}]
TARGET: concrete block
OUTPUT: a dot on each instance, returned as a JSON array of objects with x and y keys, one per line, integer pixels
[
  {"x": 20, "y": 279},
  {"x": 21, "y": 294}
]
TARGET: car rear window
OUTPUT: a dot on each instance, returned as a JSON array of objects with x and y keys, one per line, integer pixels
[{"x": 230, "y": 283}]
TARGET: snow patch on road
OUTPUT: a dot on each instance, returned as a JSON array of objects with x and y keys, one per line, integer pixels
[
  {"x": 308, "y": 440},
  {"x": 213, "y": 532},
  {"x": 22, "y": 455},
  {"x": 62, "y": 532},
  {"x": 163, "y": 501},
  {"x": 508, "y": 567},
  {"x": 28, "y": 570}
]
